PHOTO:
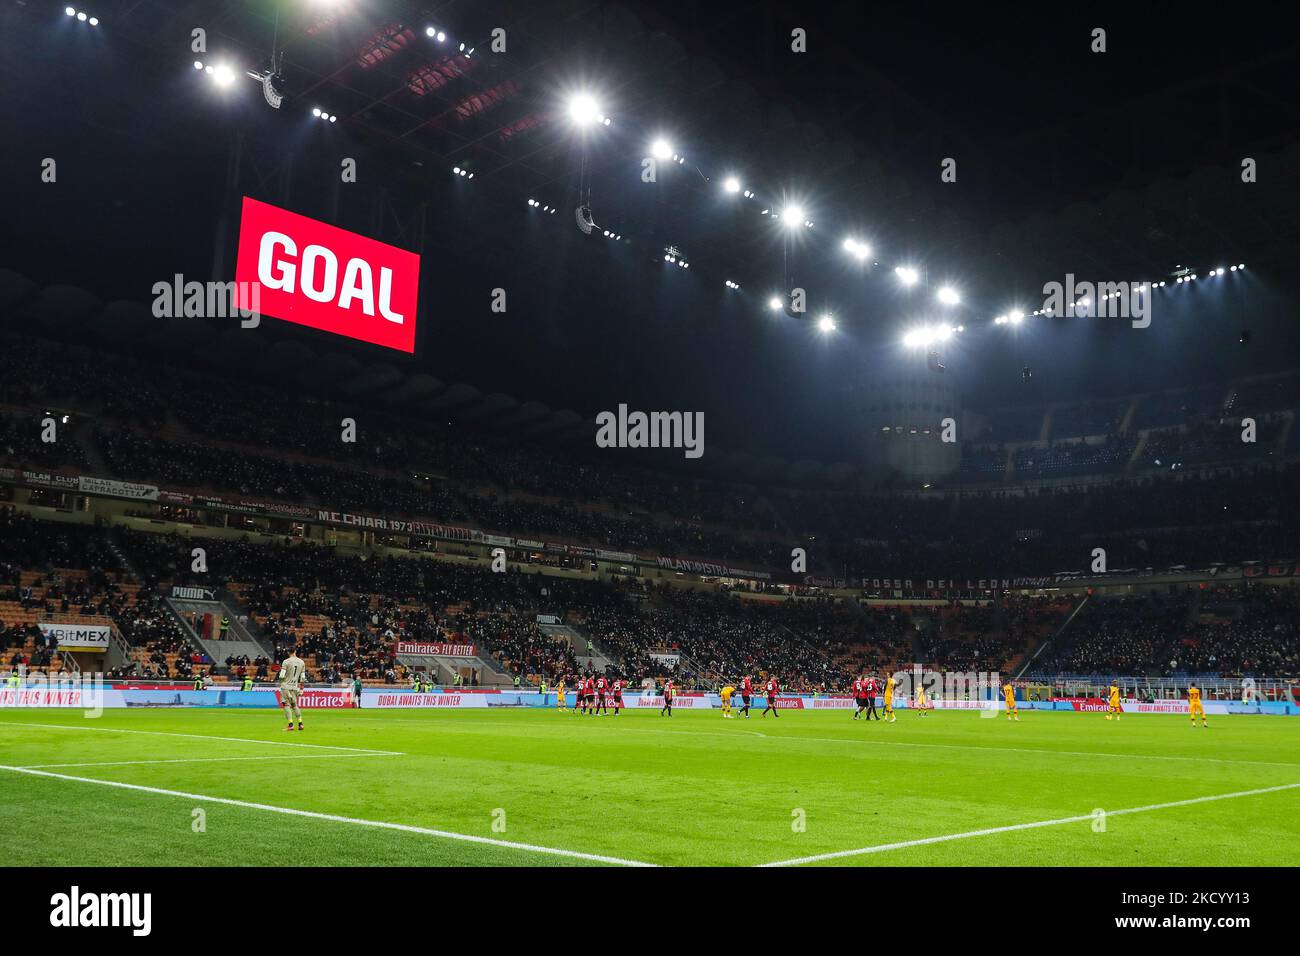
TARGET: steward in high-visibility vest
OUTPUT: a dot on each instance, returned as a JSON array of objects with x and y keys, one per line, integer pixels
[{"x": 248, "y": 683}]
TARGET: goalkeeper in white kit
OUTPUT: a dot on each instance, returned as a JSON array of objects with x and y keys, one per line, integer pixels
[{"x": 292, "y": 672}]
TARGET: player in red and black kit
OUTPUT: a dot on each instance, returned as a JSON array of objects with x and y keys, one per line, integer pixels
[
  {"x": 618, "y": 695},
  {"x": 591, "y": 695},
  {"x": 772, "y": 689},
  {"x": 869, "y": 688},
  {"x": 859, "y": 697},
  {"x": 746, "y": 694},
  {"x": 600, "y": 696},
  {"x": 668, "y": 699}
]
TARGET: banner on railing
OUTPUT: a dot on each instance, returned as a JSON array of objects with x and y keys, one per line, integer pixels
[
  {"x": 77, "y": 637},
  {"x": 388, "y": 698},
  {"x": 435, "y": 649}
]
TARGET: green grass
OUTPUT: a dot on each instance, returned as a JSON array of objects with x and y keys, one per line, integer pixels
[{"x": 693, "y": 790}]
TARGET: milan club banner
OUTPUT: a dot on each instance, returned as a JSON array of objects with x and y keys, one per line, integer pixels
[
  {"x": 1284, "y": 570},
  {"x": 314, "y": 274},
  {"x": 924, "y": 586},
  {"x": 78, "y": 637},
  {"x": 709, "y": 568},
  {"x": 425, "y": 529},
  {"x": 117, "y": 489},
  {"x": 435, "y": 649},
  {"x": 43, "y": 479},
  {"x": 253, "y": 506}
]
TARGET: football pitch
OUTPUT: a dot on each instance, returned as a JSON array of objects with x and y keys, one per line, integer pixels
[{"x": 541, "y": 788}]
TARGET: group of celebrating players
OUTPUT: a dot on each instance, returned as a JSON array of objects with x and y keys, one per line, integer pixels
[
  {"x": 599, "y": 695},
  {"x": 596, "y": 695},
  {"x": 603, "y": 696}
]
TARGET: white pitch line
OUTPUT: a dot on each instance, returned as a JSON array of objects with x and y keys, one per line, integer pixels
[
  {"x": 1084, "y": 818},
  {"x": 460, "y": 722},
  {"x": 1039, "y": 750},
  {"x": 168, "y": 733},
  {"x": 130, "y": 763},
  {"x": 334, "y": 818}
]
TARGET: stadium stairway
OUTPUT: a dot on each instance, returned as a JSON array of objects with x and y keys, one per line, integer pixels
[
  {"x": 597, "y": 661},
  {"x": 118, "y": 552},
  {"x": 1139, "y": 447},
  {"x": 1057, "y": 636},
  {"x": 241, "y": 644},
  {"x": 443, "y": 670}
]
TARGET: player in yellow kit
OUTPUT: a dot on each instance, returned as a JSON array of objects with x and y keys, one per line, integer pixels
[
  {"x": 1195, "y": 706},
  {"x": 889, "y": 700},
  {"x": 726, "y": 693},
  {"x": 920, "y": 701},
  {"x": 560, "y": 703},
  {"x": 1112, "y": 706},
  {"x": 1009, "y": 693}
]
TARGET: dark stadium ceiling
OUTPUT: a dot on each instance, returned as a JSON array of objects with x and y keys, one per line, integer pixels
[
  {"x": 1125, "y": 177},
  {"x": 1144, "y": 181}
]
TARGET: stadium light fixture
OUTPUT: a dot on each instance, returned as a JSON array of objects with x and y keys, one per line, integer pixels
[
  {"x": 948, "y": 296},
  {"x": 1016, "y": 317},
  {"x": 223, "y": 75},
  {"x": 585, "y": 111},
  {"x": 859, "y": 250},
  {"x": 792, "y": 216},
  {"x": 826, "y": 324},
  {"x": 732, "y": 185},
  {"x": 907, "y": 275},
  {"x": 661, "y": 149},
  {"x": 775, "y": 303}
]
